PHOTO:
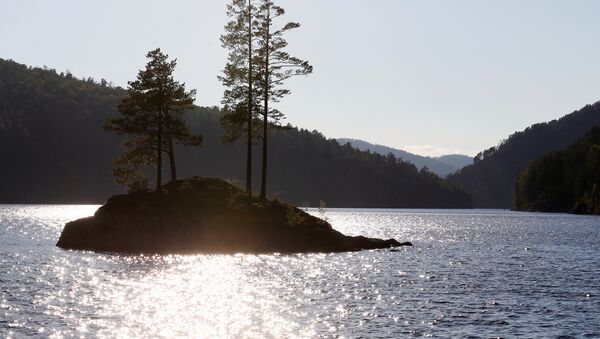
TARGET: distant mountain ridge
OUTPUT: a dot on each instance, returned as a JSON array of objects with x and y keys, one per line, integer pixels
[
  {"x": 492, "y": 178},
  {"x": 442, "y": 165},
  {"x": 456, "y": 160}
]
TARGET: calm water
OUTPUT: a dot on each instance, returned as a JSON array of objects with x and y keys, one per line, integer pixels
[{"x": 470, "y": 273}]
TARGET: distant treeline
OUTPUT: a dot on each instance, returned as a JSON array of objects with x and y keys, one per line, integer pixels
[
  {"x": 54, "y": 150},
  {"x": 492, "y": 178},
  {"x": 563, "y": 181}
]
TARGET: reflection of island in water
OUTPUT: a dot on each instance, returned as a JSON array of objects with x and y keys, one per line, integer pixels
[{"x": 200, "y": 215}]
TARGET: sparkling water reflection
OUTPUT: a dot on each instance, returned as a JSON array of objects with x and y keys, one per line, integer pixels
[{"x": 482, "y": 273}]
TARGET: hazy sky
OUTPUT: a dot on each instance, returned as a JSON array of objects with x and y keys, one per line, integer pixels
[{"x": 428, "y": 76}]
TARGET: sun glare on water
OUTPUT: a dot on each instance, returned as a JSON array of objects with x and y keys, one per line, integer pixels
[
  {"x": 223, "y": 296},
  {"x": 126, "y": 296},
  {"x": 441, "y": 287}
]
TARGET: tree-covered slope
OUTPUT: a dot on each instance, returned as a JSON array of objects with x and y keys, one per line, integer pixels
[
  {"x": 563, "y": 181},
  {"x": 491, "y": 179},
  {"x": 54, "y": 150},
  {"x": 52, "y": 147}
]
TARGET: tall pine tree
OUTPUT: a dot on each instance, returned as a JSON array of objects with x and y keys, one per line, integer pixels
[
  {"x": 240, "y": 96},
  {"x": 152, "y": 114},
  {"x": 275, "y": 66}
]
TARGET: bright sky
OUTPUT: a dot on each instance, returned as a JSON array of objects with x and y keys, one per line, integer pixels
[{"x": 431, "y": 77}]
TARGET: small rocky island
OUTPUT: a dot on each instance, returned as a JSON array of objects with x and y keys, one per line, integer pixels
[{"x": 202, "y": 215}]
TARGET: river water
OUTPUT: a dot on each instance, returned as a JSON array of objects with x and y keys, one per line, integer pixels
[{"x": 479, "y": 273}]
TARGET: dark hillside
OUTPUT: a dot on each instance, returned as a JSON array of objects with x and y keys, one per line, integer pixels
[
  {"x": 52, "y": 145},
  {"x": 491, "y": 179},
  {"x": 567, "y": 180},
  {"x": 54, "y": 150}
]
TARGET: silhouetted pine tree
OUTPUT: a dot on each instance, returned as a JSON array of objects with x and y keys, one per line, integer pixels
[
  {"x": 152, "y": 113},
  {"x": 275, "y": 66},
  {"x": 239, "y": 98}
]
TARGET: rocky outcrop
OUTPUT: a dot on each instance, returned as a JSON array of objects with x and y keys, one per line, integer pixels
[{"x": 200, "y": 215}]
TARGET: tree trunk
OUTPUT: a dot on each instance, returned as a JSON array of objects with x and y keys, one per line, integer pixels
[
  {"x": 172, "y": 160},
  {"x": 249, "y": 122},
  {"x": 159, "y": 153},
  {"x": 263, "y": 183}
]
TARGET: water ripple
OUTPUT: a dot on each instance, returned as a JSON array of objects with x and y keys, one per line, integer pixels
[{"x": 470, "y": 274}]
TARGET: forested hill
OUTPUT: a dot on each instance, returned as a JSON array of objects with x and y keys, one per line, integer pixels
[
  {"x": 54, "y": 150},
  {"x": 563, "y": 181},
  {"x": 491, "y": 179}
]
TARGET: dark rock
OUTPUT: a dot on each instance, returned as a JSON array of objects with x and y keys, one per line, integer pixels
[{"x": 200, "y": 215}]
